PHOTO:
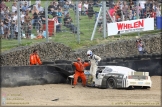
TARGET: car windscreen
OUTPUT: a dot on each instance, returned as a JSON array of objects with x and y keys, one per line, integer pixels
[{"x": 107, "y": 70}]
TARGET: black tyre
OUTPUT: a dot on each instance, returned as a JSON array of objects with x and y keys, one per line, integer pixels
[{"x": 111, "y": 83}]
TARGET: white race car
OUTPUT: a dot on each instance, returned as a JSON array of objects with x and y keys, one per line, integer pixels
[{"x": 119, "y": 77}]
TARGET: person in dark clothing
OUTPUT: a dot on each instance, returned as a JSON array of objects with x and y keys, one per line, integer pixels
[
  {"x": 90, "y": 11},
  {"x": 51, "y": 9},
  {"x": 42, "y": 16},
  {"x": 35, "y": 13},
  {"x": 67, "y": 20}
]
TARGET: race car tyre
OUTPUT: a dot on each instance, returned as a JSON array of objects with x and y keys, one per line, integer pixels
[{"x": 111, "y": 83}]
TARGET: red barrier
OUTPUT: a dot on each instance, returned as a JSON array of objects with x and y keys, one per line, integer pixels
[{"x": 50, "y": 27}]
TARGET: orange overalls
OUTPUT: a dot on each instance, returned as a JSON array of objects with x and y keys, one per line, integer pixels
[
  {"x": 79, "y": 72},
  {"x": 34, "y": 59}
]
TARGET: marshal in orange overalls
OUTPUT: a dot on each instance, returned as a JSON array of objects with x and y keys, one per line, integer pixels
[
  {"x": 34, "y": 59},
  {"x": 79, "y": 71}
]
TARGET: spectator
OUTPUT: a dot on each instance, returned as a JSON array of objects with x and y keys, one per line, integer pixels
[
  {"x": 118, "y": 11},
  {"x": 71, "y": 5},
  {"x": 158, "y": 11},
  {"x": 139, "y": 10},
  {"x": 134, "y": 16},
  {"x": 22, "y": 17},
  {"x": 58, "y": 25},
  {"x": 16, "y": 30},
  {"x": 153, "y": 15},
  {"x": 2, "y": 6},
  {"x": 14, "y": 7},
  {"x": 42, "y": 17},
  {"x": 26, "y": 1},
  {"x": 66, "y": 8},
  {"x": 114, "y": 17},
  {"x": 6, "y": 26},
  {"x": 24, "y": 7},
  {"x": 59, "y": 15},
  {"x": 39, "y": 7},
  {"x": 148, "y": 14},
  {"x": 39, "y": 25},
  {"x": 1, "y": 30},
  {"x": 85, "y": 7},
  {"x": 29, "y": 30},
  {"x": 26, "y": 24},
  {"x": 142, "y": 4},
  {"x": 15, "y": 16},
  {"x": 35, "y": 13},
  {"x": 51, "y": 9},
  {"x": 2, "y": 15},
  {"x": 80, "y": 7},
  {"x": 55, "y": 5},
  {"x": 100, "y": 20},
  {"x": 90, "y": 11},
  {"x": 7, "y": 11},
  {"x": 37, "y": 2},
  {"x": 61, "y": 3},
  {"x": 67, "y": 20},
  {"x": 12, "y": 28}
]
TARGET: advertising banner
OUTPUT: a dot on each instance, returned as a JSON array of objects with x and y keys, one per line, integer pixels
[{"x": 130, "y": 26}]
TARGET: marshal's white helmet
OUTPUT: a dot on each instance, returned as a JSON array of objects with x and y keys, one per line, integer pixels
[{"x": 89, "y": 53}]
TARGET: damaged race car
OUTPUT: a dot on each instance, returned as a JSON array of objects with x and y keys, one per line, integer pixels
[{"x": 119, "y": 77}]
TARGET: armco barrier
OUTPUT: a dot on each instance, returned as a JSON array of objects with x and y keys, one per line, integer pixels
[{"x": 159, "y": 22}]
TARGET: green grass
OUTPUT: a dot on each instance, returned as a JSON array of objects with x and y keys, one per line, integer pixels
[{"x": 70, "y": 39}]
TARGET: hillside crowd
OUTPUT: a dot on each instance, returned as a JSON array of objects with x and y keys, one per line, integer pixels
[{"x": 33, "y": 15}]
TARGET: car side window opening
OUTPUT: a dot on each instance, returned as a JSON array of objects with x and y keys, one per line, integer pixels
[{"x": 107, "y": 70}]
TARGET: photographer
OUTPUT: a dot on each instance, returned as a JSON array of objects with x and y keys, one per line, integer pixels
[{"x": 140, "y": 46}]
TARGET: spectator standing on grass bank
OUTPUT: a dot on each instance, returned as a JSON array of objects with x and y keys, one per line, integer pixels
[
  {"x": 1, "y": 30},
  {"x": 35, "y": 13},
  {"x": 59, "y": 15},
  {"x": 24, "y": 7},
  {"x": 26, "y": 24},
  {"x": 14, "y": 7},
  {"x": 90, "y": 11},
  {"x": 39, "y": 7},
  {"x": 85, "y": 7},
  {"x": 66, "y": 8},
  {"x": 34, "y": 58}
]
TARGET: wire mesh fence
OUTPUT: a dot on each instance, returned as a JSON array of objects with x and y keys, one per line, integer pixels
[{"x": 62, "y": 17}]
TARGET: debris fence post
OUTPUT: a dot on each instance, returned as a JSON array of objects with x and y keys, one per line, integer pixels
[
  {"x": 77, "y": 19},
  {"x": 19, "y": 22},
  {"x": 46, "y": 16},
  {"x": 104, "y": 18}
]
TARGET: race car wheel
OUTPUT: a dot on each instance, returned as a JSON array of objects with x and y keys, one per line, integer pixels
[{"x": 111, "y": 83}]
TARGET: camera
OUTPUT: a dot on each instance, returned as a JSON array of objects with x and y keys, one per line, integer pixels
[{"x": 137, "y": 40}]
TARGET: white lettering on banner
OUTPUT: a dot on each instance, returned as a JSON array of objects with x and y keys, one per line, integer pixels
[{"x": 130, "y": 26}]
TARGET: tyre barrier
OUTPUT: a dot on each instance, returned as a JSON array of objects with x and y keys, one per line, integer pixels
[
  {"x": 58, "y": 71},
  {"x": 144, "y": 63},
  {"x": 62, "y": 62},
  {"x": 12, "y": 76}
]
